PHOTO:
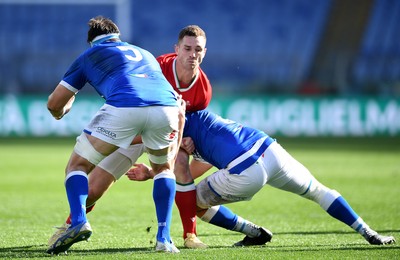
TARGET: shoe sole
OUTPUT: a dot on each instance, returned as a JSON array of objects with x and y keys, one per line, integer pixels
[{"x": 84, "y": 235}]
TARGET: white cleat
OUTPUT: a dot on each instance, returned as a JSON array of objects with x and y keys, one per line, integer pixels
[{"x": 166, "y": 247}]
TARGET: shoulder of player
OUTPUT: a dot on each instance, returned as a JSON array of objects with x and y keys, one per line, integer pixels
[
  {"x": 202, "y": 74},
  {"x": 166, "y": 58},
  {"x": 203, "y": 78}
]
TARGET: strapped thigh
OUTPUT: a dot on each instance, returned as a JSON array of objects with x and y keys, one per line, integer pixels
[
  {"x": 86, "y": 150},
  {"x": 120, "y": 161}
]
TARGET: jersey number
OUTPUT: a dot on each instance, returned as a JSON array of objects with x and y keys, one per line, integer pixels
[{"x": 137, "y": 56}]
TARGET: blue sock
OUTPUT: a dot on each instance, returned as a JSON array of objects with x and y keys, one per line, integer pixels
[
  {"x": 77, "y": 188},
  {"x": 225, "y": 218},
  {"x": 164, "y": 196},
  {"x": 342, "y": 211}
]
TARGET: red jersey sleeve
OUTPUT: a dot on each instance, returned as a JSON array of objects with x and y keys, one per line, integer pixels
[{"x": 197, "y": 95}]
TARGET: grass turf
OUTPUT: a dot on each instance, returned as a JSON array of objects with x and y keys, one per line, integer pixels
[{"x": 365, "y": 171}]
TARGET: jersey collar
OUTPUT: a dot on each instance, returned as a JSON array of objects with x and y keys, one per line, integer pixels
[{"x": 178, "y": 86}]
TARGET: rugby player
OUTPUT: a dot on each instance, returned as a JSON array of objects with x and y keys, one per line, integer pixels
[
  {"x": 182, "y": 70},
  {"x": 126, "y": 77},
  {"x": 247, "y": 159}
]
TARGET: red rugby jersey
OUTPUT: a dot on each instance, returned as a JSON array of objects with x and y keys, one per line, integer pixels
[{"x": 197, "y": 95}]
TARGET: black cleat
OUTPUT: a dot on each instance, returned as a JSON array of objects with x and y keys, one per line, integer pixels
[
  {"x": 375, "y": 239},
  {"x": 263, "y": 238}
]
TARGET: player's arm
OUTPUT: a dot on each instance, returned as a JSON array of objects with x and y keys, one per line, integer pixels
[
  {"x": 181, "y": 118},
  {"x": 60, "y": 101},
  {"x": 198, "y": 168},
  {"x": 142, "y": 172}
]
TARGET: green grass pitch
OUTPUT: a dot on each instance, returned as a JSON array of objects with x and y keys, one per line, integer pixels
[{"x": 365, "y": 171}]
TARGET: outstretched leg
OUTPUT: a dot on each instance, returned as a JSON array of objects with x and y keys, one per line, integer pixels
[{"x": 292, "y": 176}]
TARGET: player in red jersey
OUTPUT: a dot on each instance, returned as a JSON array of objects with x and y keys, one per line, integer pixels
[{"x": 182, "y": 70}]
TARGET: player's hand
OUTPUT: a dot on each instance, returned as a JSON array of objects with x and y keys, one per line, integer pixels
[
  {"x": 60, "y": 101},
  {"x": 67, "y": 107},
  {"x": 140, "y": 172},
  {"x": 188, "y": 145}
]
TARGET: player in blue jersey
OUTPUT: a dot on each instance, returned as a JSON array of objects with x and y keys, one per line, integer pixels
[
  {"x": 138, "y": 100},
  {"x": 248, "y": 159},
  {"x": 183, "y": 72}
]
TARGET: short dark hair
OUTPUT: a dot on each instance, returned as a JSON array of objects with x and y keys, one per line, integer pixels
[
  {"x": 191, "y": 30},
  {"x": 100, "y": 25}
]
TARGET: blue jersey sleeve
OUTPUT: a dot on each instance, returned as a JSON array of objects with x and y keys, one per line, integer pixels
[{"x": 75, "y": 75}]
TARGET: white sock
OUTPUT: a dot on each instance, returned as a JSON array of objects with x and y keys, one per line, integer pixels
[{"x": 246, "y": 227}]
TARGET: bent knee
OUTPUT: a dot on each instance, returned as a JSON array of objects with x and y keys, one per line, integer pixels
[{"x": 316, "y": 192}]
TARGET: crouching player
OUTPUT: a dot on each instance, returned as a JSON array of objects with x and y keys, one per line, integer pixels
[{"x": 248, "y": 159}]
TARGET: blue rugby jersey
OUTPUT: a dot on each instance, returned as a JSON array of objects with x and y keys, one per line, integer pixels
[
  {"x": 123, "y": 74},
  {"x": 220, "y": 141}
]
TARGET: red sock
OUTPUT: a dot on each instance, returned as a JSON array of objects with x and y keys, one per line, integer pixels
[
  {"x": 186, "y": 203},
  {"x": 88, "y": 209}
]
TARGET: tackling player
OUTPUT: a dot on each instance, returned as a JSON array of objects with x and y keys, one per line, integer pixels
[
  {"x": 182, "y": 70},
  {"x": 248, "y": 159}
]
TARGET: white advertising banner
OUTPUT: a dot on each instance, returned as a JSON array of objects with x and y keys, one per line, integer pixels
[{"x": 284, "y": 116}]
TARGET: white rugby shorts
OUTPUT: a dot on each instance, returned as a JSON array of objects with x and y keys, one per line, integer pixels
[
  {"x": 158, "y": 125},
  {"x": 275, "y": 167}
]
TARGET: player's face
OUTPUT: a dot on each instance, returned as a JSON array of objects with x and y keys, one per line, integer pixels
[{"x": 191, "y": 51}]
